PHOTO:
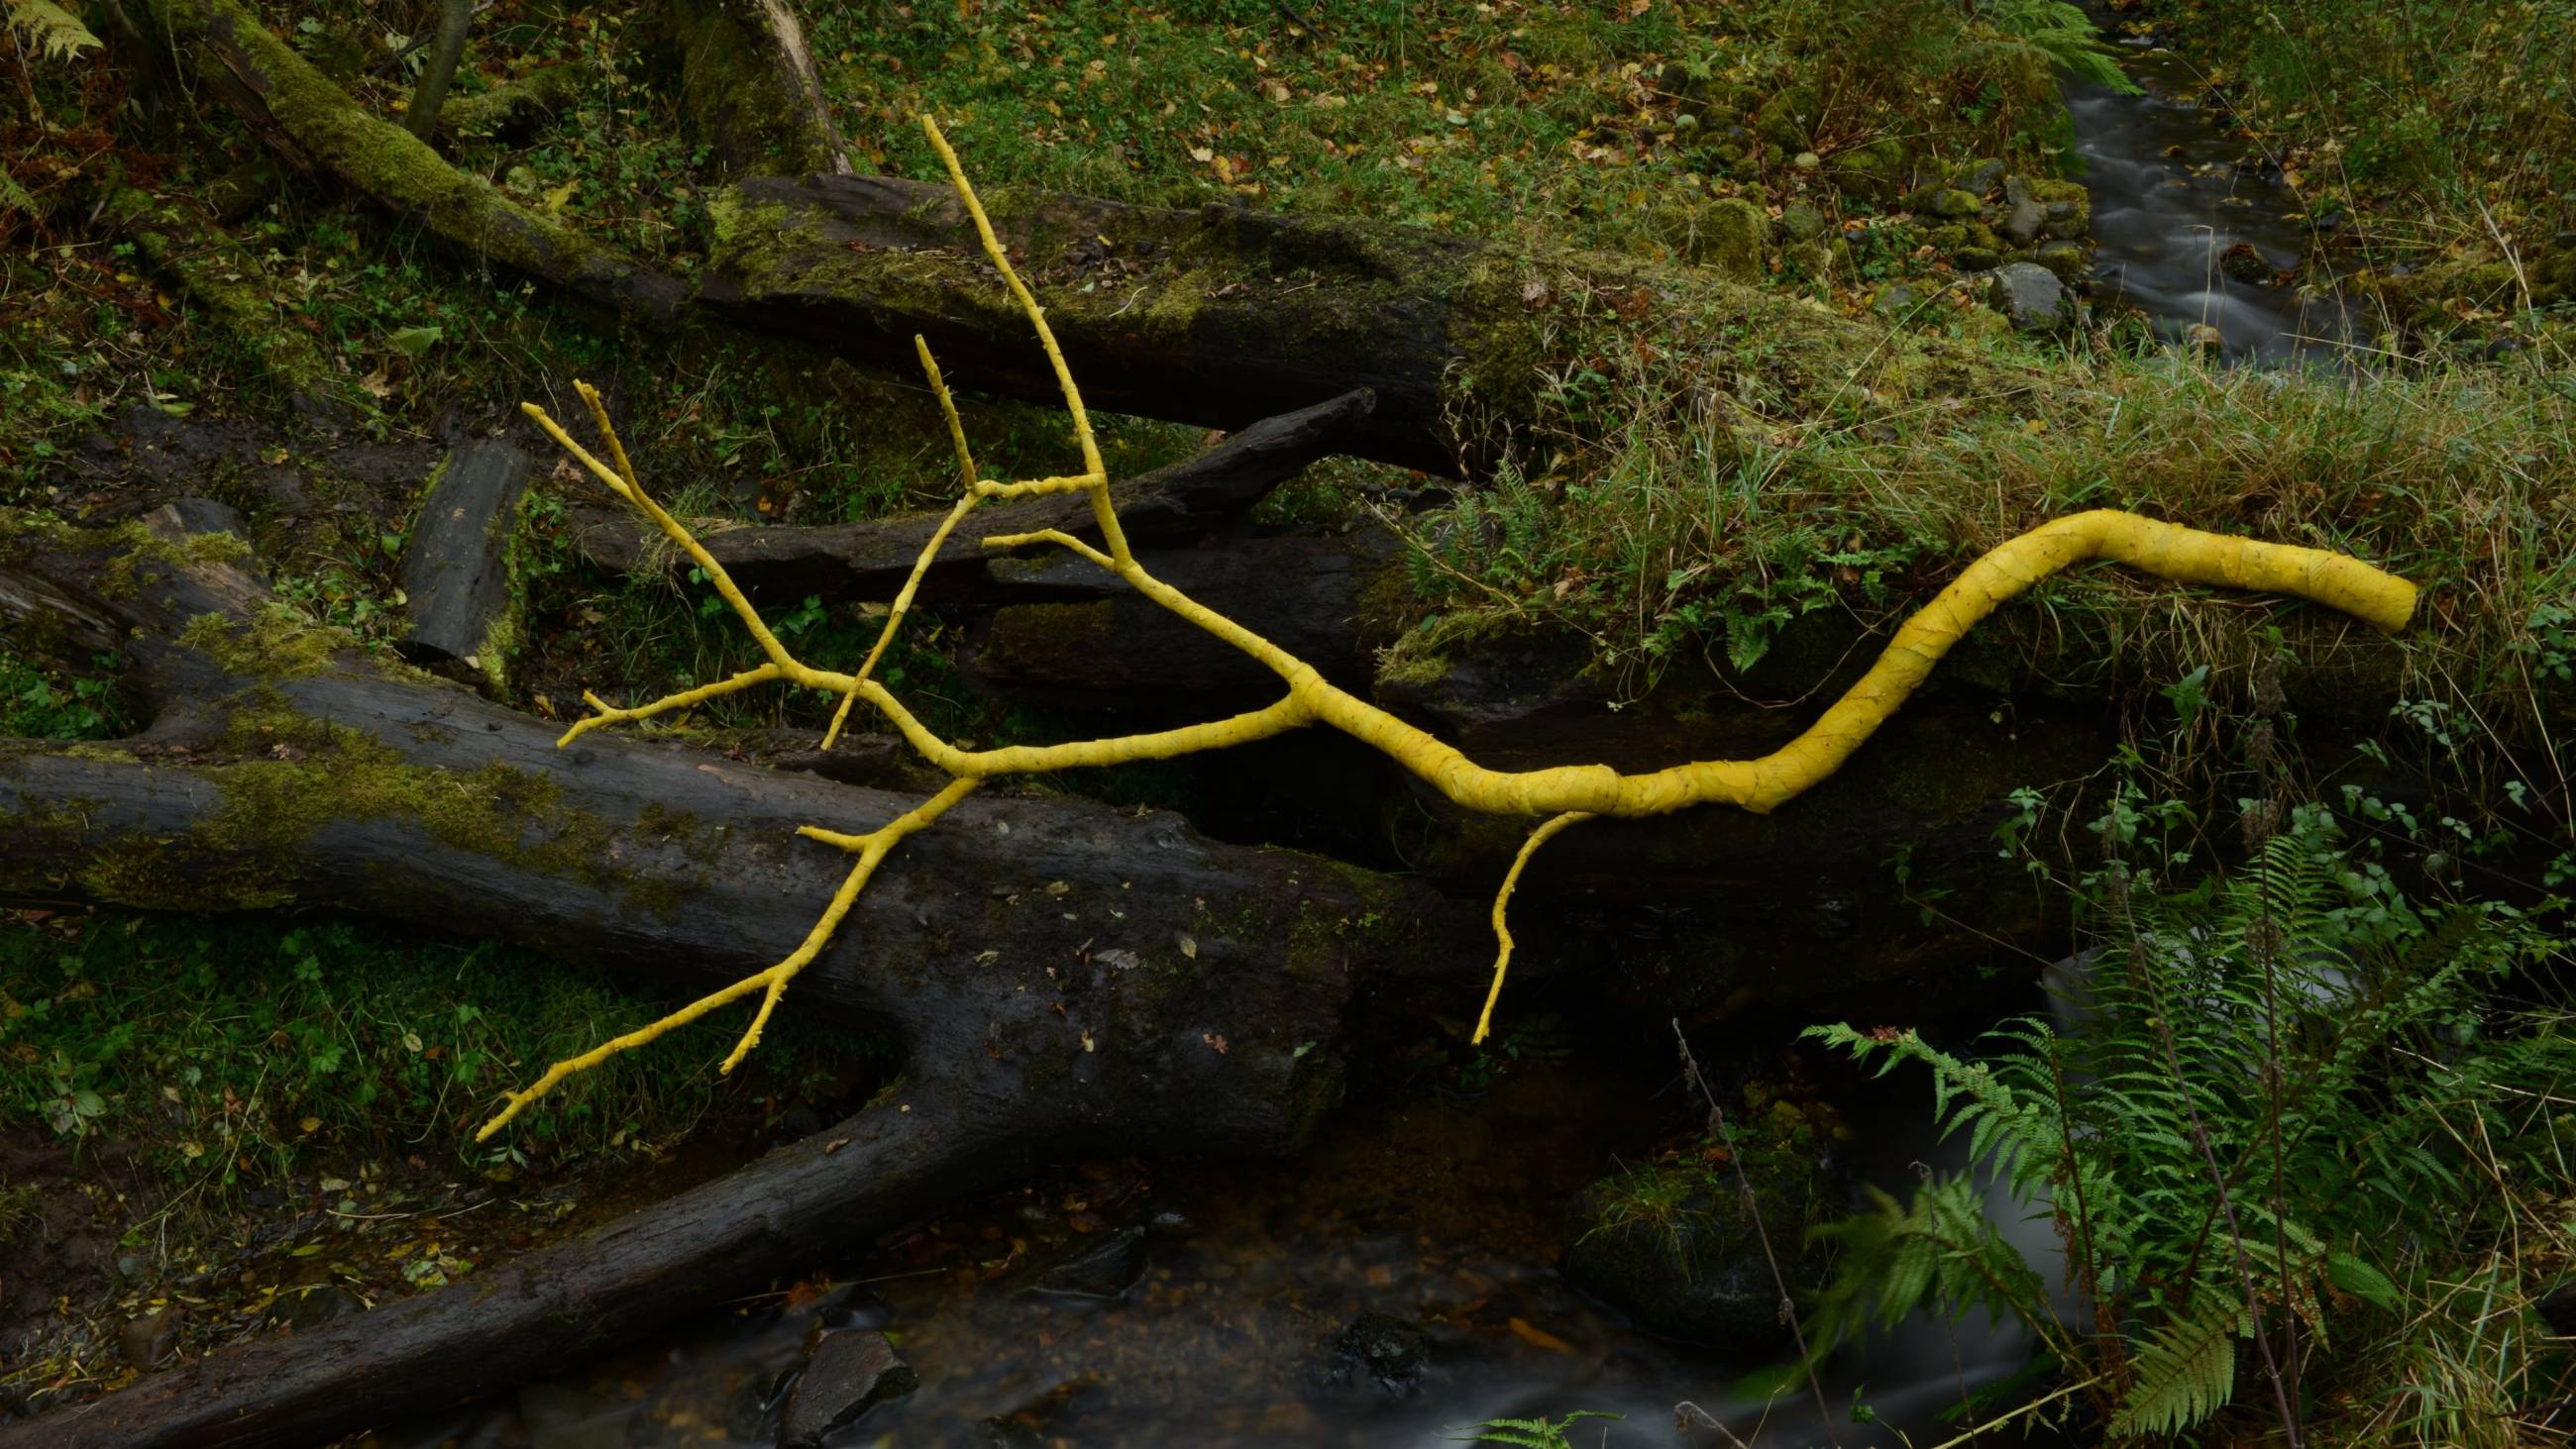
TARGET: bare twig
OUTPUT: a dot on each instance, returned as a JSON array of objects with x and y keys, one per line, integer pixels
[{"x": 1753, "y": 1210}]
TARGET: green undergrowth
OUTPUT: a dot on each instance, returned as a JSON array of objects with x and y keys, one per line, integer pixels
[
  {"x": 1667, "y": 538},
  {"x": 2452, "y": 121},
  {"x": 1507, "y": 118},
  {"x": 2301, "y": 1109},
  {"x": 44, "y": 702},
  {"x": 240, "y": 1050}
]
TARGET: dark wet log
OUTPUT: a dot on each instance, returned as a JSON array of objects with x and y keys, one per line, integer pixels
[
  {"x": 1219, "y": 316},
  {"x": 557, "y": 1304},
  {"x": 455, "y": 568},
  {"x": 748, "y": 91},
  {"x": 315, "y": 124},
  {"x": 1101, "y": 645},
  {"x": 1062, "y": 976},
  {"x": 1178, "y": 504}
]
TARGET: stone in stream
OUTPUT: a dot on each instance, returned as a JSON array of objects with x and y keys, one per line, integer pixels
[
  {"x": 1676, "y": 1251},
  {"x": 850, "y": 1372},
  {"x": 1104, "y": 1267},
  {"x": 2032, "y": 297},
  {"x": 1384, "y": 1348}
]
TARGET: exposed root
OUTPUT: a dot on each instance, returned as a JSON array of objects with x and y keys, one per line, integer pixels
[{"x": 1568, "y": 794}]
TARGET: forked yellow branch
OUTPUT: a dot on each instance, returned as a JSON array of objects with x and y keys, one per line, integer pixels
[{"x": 1566, "y": 794}]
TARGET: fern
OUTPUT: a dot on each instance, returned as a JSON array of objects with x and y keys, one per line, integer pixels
[
  {"x": 2338, "y": 1052},
  {"x": 49, "y": 30},
  {"x": 2063, "y": 33},
  {"x": 2185, "y": 1373},
  {"x": 1530, "y": 1433}
]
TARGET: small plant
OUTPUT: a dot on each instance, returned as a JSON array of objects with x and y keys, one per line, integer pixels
[{"x": 1530, "y": 1433}]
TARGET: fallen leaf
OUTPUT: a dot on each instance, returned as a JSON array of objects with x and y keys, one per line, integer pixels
[{"x": 1537, "y": 1337}]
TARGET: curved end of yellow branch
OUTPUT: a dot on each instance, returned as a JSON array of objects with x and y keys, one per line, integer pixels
[{"x": 1502, "y": 931}]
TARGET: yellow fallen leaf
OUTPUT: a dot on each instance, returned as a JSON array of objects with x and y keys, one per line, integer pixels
[{"x": 557, "y": 196}]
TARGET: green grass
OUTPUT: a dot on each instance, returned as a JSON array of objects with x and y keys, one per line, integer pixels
[
  {"x": 237, "y": 1051},
  {"x": 1515, "y": 118},
  {"x": 1668, "y": 539}
]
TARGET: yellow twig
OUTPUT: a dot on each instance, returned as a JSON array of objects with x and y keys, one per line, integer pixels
[
  {"x": 1502, "y": 931},
  {"x": 1566, "y": 794}
]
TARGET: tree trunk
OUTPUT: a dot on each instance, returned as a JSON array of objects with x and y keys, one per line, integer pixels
[
  {"x": 748, "y": 91},
  {"x": 1061, "y": 975}
]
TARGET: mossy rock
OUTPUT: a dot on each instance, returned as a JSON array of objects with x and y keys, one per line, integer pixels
[
  {"x": 1873, "y": 173},
  {"x": 1801, "y": 222},
  {"x": 1954, "y": 204},
  {"x": 2067, "y": 206},
  {"x": 1674, "y": 1248},
  {"x": 1727, "y": 235}
]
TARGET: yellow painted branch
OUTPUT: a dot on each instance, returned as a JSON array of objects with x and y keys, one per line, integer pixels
[{"x": 1567, "y": 794}]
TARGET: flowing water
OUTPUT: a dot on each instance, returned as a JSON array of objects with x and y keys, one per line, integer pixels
[
  {"x": 2195, "y": 228},
  {"x": 1440, "y": 1211}
]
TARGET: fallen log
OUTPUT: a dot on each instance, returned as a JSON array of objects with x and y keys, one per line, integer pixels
[
  {"x": 455, "y": 567},
  {"x": 1179, "y": 504},
  {"x": 1094, "y": 643},
  {"x": 316, "y": 125},
  {"x": 1061, "y": 976}
]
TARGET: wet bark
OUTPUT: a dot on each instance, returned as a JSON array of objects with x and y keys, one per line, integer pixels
[
  {"x": 1179, "y": 504},
  {"x": 455, "y": 567}
]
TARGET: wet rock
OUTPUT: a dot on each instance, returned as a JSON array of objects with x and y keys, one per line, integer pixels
[
  {"x": 2558, "y": 1309},
  {"x": 2205, "y": 337},
  {"x": 2243, "y": 263},
  {"x": 2032, "y": 297},
  {"x": 851, "y": 1372},
  {"x": 564, "y": 1418},
  {"x": 1979, "y": 177},
  {"x": 1102, "y": 1267},
  {"x": 149, "y": 1341},
  {"x": 313, "y": 1305},
  {"x": 2023, "y": 223},
  {"x": 1727, "y": 236},
  {"x": 1171, "y": 1222},
  {"x": 2067, "y": 259},
  {"x": 1954, "y": 203},
  {"x": 1675, "y": 1249},
  {"x": 1384, "y": 1348}
]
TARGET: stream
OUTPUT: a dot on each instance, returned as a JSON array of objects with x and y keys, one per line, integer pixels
[
  {"x": 2193, "y": 227},
  {"x": 1432, "y": 1220}
]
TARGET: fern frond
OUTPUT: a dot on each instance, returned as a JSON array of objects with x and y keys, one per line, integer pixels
[
  {"x": 2185, "y": 1373},
  {"x": 49, "y": 30}
]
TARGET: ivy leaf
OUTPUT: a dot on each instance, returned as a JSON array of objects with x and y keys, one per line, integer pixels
[{"x": 413, "y": 341}]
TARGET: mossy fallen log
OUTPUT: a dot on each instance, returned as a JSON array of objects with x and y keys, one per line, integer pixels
[
  {"x": 316, "y": 124},
  {"x": 1061, "y": 976}
]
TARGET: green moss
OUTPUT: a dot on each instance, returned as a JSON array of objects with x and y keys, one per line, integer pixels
[{"x": 276, "y": 642}]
